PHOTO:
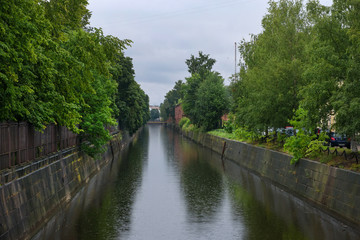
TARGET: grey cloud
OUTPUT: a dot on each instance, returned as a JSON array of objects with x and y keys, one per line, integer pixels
[{"x": 166, "y": 33}]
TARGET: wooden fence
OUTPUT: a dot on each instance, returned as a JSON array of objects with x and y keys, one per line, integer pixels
[{"x": 20, "y": 142}]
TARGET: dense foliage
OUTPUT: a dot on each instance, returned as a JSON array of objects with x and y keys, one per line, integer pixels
[
  {"x": 172, "y": 98},
  {"x": 203, "y": 96},
  {"x": 305, "y": 60},
  {"x": 273, "y": 62},
  {"x": 302, "y": 69},
  {"x": 154, "y": 114},
  {"x": 56, "y": 69},
  {"x": 131, "y": 101},
  {"x": 211, "y": 102}
]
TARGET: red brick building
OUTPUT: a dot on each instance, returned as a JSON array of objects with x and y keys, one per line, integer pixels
[
  {"x": 179, "y": 113},
  {"x": 225, "y": 118}
]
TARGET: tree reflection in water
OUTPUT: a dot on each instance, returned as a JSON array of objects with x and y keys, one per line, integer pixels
[
  {"x": 203, "y": 189},
  {"x": 109, "y": 217}
]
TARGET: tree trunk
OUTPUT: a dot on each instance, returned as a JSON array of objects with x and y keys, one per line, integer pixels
[{"x": 353, "y": 144}]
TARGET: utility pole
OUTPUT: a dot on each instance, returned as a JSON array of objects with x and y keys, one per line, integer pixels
[{"x": 235, "y": 63}]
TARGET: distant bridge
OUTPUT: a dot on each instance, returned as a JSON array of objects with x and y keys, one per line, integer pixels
[{"x": 156, "y": 122}]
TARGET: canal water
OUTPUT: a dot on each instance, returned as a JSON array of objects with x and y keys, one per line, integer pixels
[{"x": 167, "y": 187}]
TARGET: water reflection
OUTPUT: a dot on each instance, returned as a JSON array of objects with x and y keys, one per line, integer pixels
[
  {"x": 201, "y": 184},
  {"x": 109, "y": 216},
  {"x": 172, "y": 149},
  {"x": 261, "y": 222},
  {"x": 168, "y": 187},
  {"x": 203, "y": 188},
  {"x": 273, "y": 208}
]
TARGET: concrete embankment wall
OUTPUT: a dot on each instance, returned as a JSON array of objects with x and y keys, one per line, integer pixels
[
  {"x": 337, "y": 191},
  {"x": 32, "y": 194}
]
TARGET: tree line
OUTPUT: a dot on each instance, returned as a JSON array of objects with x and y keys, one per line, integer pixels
[
  {"x": 302, "y": 69},
  {"x": 203, "y": 96},
  {"x": 55, "y": 68},
  {"x": 307, "y": 57}
]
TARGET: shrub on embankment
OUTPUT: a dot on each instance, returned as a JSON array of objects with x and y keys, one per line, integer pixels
[{"x": 331, "y": 156}]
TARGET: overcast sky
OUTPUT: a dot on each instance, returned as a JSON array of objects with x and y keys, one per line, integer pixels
[{"x": 166, "y": 32}]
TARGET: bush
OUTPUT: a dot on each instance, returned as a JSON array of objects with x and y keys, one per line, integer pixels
[
  {"x": 297, "y": 146},
  {"x": 316, "y": 146},
  {"x": 184, "y": 121},
  {"x": 229, "y": 126},
  {"x": 191, "y": 127},
  {"x": 304, "y": 143},
  {"x": 243, "y": 134}
]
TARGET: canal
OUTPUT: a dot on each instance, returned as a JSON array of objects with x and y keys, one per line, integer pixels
[{"x": 167, "y": 187}]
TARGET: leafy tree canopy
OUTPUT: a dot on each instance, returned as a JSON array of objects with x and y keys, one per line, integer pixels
[
  {"x": 271, "y": 72},
  {"x": 205, "y": 98},
  {"x": 306, "y": 60},
  {"x": 55, "y": 69},
  {"x": 200, "y": 65},
  {"x": 211, "y": 102},
  {"x": 172, "y": 98},
  {"x": 154, "y": 114}
]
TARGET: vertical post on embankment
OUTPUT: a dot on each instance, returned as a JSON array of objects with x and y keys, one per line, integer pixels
[{"x": 222, "y": 155}]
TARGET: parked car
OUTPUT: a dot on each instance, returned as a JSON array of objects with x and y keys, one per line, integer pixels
[
  {"x": 286, "y": 132},
  {"x": 289, "y": 131},
  {"x": 339, "y": 140}
]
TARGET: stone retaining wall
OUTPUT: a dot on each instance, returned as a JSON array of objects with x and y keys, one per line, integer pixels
[
  {"x": 31, "y": 195},
  {"x": 335, "y": 190}
]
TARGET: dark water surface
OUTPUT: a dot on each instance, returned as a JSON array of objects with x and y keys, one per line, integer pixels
[{"x": 167, "y": 187}]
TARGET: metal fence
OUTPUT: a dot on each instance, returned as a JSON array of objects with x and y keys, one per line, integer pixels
[
  {"x": 348, "y": 156},
  {"x": 20, "y": 142}
]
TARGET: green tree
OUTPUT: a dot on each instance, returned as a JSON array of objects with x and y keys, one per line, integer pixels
[
  {"x": 164, "y": 109},
  {"x": 190, "y": 96},
  {"x": 123, "y": 73},
  {"x": 200, "y": 65},
  {"x": 271, "y": 74},
  {"x": 211, "y": 102},
  {"x": 131, "y": 101},
  {"x": 138, "y": 108},
  {"x": 145, "y": 108},
  {"x": 66, "y": 15},
  {"x": 332, "y": 71},
  {"x": 27, "y": 91},
  {"x": 347, "y": 99},
  {"x": 205, "y": 97},
  {"x": 96, "y": 85},
  {"x": 325, "y": 64},
  {"x": 53, "y": 70},
  {"x": 172, "y": 98},
  {"x": 154, "y": 114}
]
